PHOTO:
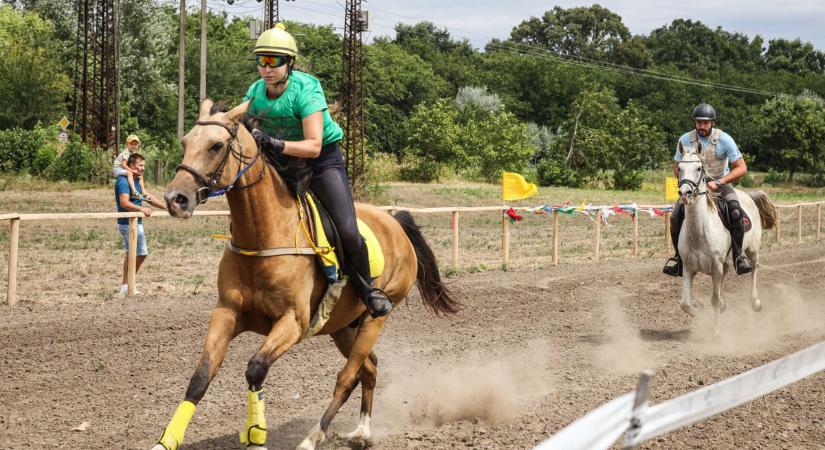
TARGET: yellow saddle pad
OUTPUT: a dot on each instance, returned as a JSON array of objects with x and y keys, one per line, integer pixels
[{"x": 327, "y": 256}]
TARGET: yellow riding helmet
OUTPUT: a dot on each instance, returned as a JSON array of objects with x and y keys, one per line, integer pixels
[{"x": 278, "y": 41}]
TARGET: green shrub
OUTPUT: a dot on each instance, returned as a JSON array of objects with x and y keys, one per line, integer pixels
[
  {"x": 550, "y": 172},
  {"x": 76, "y": 163},
  {"x": 419, "y": 169},
  {"x": 746, "y": 181},
  {"x": 18, "y": 148},
  {"x": 628, "y": 180},
  {"x": 45, "y": 157},
  {"x": 773, "y": 177}
]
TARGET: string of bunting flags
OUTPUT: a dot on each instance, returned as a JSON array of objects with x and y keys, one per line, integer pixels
[
  {"x": 602, "y": 212},
  {"x": 515, "y": 187}
]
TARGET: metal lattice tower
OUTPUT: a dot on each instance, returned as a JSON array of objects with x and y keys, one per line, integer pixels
[
  {"x": 97, "y": 98},
  {"x": 271, "y": 13},
  {"x": 352, "y": 93}
]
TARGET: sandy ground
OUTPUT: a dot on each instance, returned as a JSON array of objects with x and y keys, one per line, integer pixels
[{"x": 532, "y": 351}]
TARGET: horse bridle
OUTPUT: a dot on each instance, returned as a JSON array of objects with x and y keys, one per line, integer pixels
[
  {"x": 209, "y": 186},
  {"x": 694, "y": 183}
]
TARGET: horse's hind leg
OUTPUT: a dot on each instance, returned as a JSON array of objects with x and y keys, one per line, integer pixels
[
  {"x": 368, "y": 374},
  {"x": 222, "y": 328},
  {"x": 348, "y": 378},
  {"x": 283, "y": 335}
]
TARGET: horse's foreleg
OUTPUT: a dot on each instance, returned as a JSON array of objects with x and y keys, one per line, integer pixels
[
  {"x": 348, "y": 378},
  {"x": 756, "y": 304},
  {"x": 283, "y": 335},
  {"x": 687, "y": 281},
  {"x": 716, "y": 296},
  {"x": 222, "y": 328},
  {"x": 367, "y": 376}
]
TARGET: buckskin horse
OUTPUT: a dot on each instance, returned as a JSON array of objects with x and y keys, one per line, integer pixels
[
  {"x": 704, "y": 243},
  {"x": 276, "y": 296}
]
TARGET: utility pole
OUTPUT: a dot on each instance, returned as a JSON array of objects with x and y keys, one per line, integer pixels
[
  {"x": 203, "y": 51},
  {"x": 355, "y": 22},
  {"x": 181, "y": 65}
]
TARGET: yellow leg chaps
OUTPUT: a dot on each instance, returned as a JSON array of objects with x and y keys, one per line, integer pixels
[
  {"x": 254, "y": 432},
  {"x": 172, "y": 436}
]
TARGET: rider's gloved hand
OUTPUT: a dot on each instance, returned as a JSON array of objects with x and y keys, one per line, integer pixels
[{"x": 267, "y": 143}]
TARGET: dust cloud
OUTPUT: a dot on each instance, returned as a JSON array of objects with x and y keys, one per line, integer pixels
[
  {"x": 623, "y": 351},
  {"x": 486, "y": 387},
  {"x": 786, "y": 310}
]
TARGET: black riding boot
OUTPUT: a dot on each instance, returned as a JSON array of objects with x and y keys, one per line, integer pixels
[
  {"x": 673, "y": 266},
  {"x": 375, "y": 299},
  {"x": 737, "y": 233}
]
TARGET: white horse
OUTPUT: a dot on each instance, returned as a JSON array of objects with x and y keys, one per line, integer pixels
[{"x": 704, "y": 242}]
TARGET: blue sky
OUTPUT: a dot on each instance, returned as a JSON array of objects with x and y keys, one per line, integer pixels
[{"x": 481, "y": 20}]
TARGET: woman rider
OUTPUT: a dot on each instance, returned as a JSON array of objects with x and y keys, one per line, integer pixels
[{"x": 295, "y": 121}]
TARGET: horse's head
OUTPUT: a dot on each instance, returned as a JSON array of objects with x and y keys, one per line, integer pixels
[
  {"x": 691, "y": 175},
  {"x": 217, "y": 151}
]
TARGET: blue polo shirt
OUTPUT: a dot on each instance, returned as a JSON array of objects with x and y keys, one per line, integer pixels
[
  {"x": 726, "y": 146},
  {"x": 122, "y": 187}
]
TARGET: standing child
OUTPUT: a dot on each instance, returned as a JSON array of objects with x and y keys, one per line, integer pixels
[{"x": 121, "y": 167}]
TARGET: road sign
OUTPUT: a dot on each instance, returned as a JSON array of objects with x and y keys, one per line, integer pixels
[
  {"x": 63, "y": 137},
  {"x": 64, "y": 122}
]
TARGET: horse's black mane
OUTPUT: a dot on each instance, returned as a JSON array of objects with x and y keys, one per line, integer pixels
[{"x": 295, "y": 172}]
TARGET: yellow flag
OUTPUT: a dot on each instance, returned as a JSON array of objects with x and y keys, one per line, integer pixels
[
  {"x": 671, "y": 189},
  {"x": 515, "y": 187}
]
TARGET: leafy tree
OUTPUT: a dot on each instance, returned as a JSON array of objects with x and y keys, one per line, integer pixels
[
  {"x": 434, "y": 140},
  {"x": 497, "y": 142},
  {"x": 794, "y": 56},
  {"x": 454, "y": 61},
  {"x": 33, "y": 86},
  {"x": 695, "y": 47},
  {"x": 591, "y": 32},
  {"x": 395, "y": 82},
  {"x": 793, "y": 134},
  {"x": 476, "y": 99}
]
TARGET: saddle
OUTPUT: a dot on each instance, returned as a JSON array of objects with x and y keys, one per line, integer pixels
[
  {"x": 724, "y": 214},
  {"x": 327, "y": 241}
]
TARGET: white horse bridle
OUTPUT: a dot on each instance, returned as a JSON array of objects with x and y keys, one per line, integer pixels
[{"x": 694, "y": 183}]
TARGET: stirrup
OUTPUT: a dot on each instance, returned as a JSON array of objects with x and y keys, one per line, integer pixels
[
  {"x": 675, "y": 269},
  {"x": 745, "y": 265},
  {"x": 376, "y": 295}
]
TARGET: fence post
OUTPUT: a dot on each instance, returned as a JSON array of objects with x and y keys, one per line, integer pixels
[
  {"x": 132, "y": 263},
  {"x": 14, "y": 240},
  {"x": 635, "y": 219},
  {"x": 505, "y": 241},
  {"x": 778, "y": 227},
  {"x": 555, "y": 255},
  {"x": 799, "y": 224},
  {"x": 639, "y": 405},
  {"x": 454, "y": 226},
  {"x": 597, "y": 246},
  {"x": 818, "y": 221},
  {"x": 667, "y": 229}
]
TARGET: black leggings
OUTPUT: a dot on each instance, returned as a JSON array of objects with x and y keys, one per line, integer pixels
[{"x": 331, "y": 187}]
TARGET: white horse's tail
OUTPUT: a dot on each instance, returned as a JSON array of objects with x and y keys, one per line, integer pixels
[{"x": 767, "y": 211}]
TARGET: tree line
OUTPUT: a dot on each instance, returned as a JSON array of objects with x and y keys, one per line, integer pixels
[{"x": 571, "y": 97}]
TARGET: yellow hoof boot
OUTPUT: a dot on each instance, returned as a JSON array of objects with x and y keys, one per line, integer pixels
[
  {"x": 172, "y": 435},
  {"x": 254, "y": 434}
]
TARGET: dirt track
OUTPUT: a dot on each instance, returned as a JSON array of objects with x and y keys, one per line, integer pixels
[{"x": 533, "y": 351}]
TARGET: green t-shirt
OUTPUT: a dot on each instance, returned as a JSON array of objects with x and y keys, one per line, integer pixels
[{"x": 282, "y": 116}]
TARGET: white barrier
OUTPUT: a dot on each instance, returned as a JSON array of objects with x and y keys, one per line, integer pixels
[{"x": 600, "y": 428}]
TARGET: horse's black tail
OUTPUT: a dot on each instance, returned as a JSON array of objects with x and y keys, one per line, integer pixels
[{"x": 433, "y": 292}]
